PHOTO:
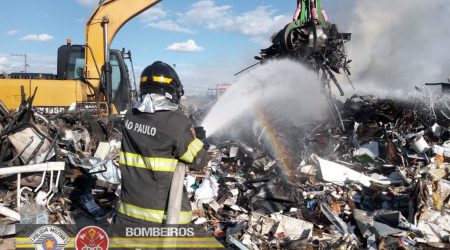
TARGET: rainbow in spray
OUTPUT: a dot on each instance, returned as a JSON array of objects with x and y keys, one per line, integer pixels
[{"x": 276, "y": 146}]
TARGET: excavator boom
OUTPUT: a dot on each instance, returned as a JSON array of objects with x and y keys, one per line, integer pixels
[
  {"x": 84, "y": 72},
  {"x": 100, "y": 24}
]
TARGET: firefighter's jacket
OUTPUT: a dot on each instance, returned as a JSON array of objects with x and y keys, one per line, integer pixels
[{"x": 152, "y": 144}]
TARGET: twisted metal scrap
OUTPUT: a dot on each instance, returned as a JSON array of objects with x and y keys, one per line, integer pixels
[{"x": 320, "y": 48}]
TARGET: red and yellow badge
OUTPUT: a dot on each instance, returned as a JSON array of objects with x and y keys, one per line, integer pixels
[
  {"x": 49, "y": 243},
  {"x": 91, "y": 237}
]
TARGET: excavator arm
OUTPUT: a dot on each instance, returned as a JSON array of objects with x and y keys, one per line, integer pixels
[
  {"x": 310, "y": 10},
  {"x": 84, "y": 72},
  {"x": 101, "y": 26}
]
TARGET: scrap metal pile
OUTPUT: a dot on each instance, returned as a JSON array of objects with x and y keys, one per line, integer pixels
[
  {"x": 321, "y": 48},
  {"x": 382, "y": 183},
  {"x": 59, "y": 169},
  {"x": 313, "y": 41}
]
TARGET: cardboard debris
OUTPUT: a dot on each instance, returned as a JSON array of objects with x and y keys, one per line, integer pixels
[
  {"x": 338, "y": 174},
  {"x": 293, "y": 229},
  {"x": 33, "y": 145},
  {"x": 370, "y": 149}
]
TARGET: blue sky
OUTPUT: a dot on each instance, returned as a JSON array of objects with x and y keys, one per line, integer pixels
[{"x": 208, "y": 40}]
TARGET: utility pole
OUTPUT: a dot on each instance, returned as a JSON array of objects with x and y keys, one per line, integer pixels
[{"x": 25, "y": 61}]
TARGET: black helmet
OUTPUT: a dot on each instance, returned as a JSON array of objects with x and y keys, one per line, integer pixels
[{"x": 160, "y": 78}]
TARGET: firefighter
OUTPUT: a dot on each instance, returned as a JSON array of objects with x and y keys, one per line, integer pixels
[{"x": 155, "y": 136}]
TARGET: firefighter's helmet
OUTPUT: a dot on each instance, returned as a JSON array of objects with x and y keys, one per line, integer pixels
[{"x": 161, "y": 78}]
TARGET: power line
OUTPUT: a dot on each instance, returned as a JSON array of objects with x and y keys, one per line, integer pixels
[{"x": 25, "y": 60}]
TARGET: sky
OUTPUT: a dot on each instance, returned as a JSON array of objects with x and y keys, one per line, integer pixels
[
  {"x": 210, "y": 40},
  {"x": 207, "y": 40}
]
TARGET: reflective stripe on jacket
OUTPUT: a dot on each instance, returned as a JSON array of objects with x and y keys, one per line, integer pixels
[
  {"x": 152, "y": 215},
  {"x": 152, "y": 145}
]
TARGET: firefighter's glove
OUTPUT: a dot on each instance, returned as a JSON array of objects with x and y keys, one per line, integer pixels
[{"x": 200, "y": 133}]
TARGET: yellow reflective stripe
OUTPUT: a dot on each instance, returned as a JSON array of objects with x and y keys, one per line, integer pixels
[
  {"x": 152, "y": 163},
  {"x": 185, "y": 217},
  {"x": 194, "y": 147},
  {"x": 152, "y": 215},
  {"x": 162, "y": 79}
]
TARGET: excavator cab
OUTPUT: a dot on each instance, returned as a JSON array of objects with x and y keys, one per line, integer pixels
[
  {"x": 70, "y": 66},
  {"x": 90, "y": 77}
]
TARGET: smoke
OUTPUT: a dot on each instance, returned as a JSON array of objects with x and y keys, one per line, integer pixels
[
  {"x": 284, "y": 89},
  {"x": 399, "y": 44},
  {"x": 395, "y": 46}
]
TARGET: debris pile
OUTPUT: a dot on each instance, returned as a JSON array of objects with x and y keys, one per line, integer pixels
[
  {"x": 321, "y": 48},
  {"x": 381, "y": 182},
  {"x": 312, "y": 40},
  {"x": 56, "y": 169}
]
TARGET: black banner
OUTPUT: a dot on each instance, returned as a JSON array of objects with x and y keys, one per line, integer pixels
[{"x": 102, "y": 237}]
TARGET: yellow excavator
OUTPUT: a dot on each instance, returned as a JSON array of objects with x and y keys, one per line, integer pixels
[{"x": 90, "y": 76}]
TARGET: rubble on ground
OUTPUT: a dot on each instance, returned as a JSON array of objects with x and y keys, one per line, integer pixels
[
  {"x": 58, "y": 169},
  {"x": 381, "y": 181}
]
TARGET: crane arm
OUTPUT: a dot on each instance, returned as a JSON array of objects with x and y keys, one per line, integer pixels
[
  {"x": 308, "y": 10},
  {"x": 114, "y": 14}
]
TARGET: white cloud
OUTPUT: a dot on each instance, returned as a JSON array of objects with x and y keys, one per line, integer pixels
[
  {"x": 258, "y": 23},
  {"x": 37, "y": 63},
  {"x": 88, "y": 3},
  {"x": 206, "y": 10},
  {"x": 37, "y": 37},
  {"x": 12, "y": 32},
  {"x": 152, "y": 14},
  {"x": 155, "y": 18},
  {"x": 3, "y": 61},
  {"x": 252, "y": 23},
  {"x": 188, "y": 46},
  {"x": 168, "y": 25}
]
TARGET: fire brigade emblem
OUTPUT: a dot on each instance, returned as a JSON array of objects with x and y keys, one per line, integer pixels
[
  {"x": 49, "y": 238},
  {"x": 91, "y": 238}
]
